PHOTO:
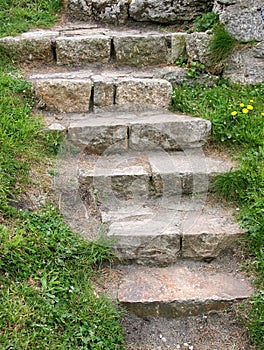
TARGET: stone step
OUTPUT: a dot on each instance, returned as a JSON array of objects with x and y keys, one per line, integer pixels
[
  {"x": 159, "y": 232},
  {"x": 76, "y": 44},
  {"x": 180, "y": 290},
  {"x": 96, "y": 88},
  {"x": 133, "y": 175},
  {"x": 112, "y": 132}
]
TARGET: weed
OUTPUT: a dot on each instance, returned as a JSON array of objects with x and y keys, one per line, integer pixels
[
  {"x": 205, "y": 21},
  {"x": 194, "y": 68},
  {"x": 221, "y": 45}
]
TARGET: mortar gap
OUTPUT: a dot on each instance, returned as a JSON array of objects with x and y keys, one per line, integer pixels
[
  {"x": 112, "y": 51},
  {"x": 114, "y": 94},
  {"x": 181, "y": 246},
  {"x": 91, "y": 102},
  {"x": 54, "y": 51}
]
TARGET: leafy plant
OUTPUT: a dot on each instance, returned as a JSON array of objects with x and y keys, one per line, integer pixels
[
  {"x": 194, "y": 68},
  {"x": 205, "y": 21}
]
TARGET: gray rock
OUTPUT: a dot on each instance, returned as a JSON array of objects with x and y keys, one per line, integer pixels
[
  {"x": 31, "y": 46},
  {"x": 245, "y": 65},
  {"x": 65, "y": 95},
  {"x": 167, "y": 11},
  {"x": 180, "y": 291},
  {"x": 79, "y": 9},
  {"x": 147, "y": 91},
  {"x": 180, "y": 76},
  {"x": 242, "y": 18},
  {"x": 110, "y": 11},
  {"x": 198, "y": 47},
  {"x": 83, "y": 49},
  {"x": 140, "y": 50},
  {"x": 177, "y": 46}
]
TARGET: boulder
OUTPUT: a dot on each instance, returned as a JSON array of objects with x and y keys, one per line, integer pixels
[
  {"x": 198, "y": 47},
  {"x": 167, "y": 11},
  {"x": 243, "y": 19},
  {"x": 246, "y": 65}
]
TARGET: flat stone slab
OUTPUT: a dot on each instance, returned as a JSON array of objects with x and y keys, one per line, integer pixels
[
  {"x": 148, "y": 173},
  {"x": 180, "y": 291},
  {"x": 156, "y": 130},
  {"x": 77, "y": 45},
  {"x": 93, "y": 89},
  {"x": 159, "y": 232}
]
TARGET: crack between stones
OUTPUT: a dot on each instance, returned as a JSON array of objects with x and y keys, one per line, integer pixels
[{"x": 54, "y": 50}]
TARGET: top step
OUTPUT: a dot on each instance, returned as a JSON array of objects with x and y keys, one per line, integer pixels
[{"x": 84, "y": 44}]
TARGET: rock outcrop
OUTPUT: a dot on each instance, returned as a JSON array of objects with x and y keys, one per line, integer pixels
[{"x": 120, "y": 11}]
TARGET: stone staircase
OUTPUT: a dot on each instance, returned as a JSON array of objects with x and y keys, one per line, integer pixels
[{"x": 135, "y": 166}]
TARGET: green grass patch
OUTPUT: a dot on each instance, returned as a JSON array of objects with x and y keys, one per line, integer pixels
[
  {"x": 237, "y": 116},
  {"x": 47, "y": 301},
  {"x": 19, "y": 16}
]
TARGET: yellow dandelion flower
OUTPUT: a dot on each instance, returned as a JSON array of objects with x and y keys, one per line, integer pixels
[
  {"x": 234, "y": 113},
  {"x": 250, "y": 107},
  {"x": 242, "y": 105},
  {"x": 245, "y": 110},
  {"x": 262, "y": 114},
  {"x": 251, "y": 101}
]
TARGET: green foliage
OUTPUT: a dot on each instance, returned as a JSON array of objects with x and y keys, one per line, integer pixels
[
  {"x": 17, "y": 16},
  {"x": 194, "y": 68},
  {"x": 205, "y": 21},
  {"x": 237, "y": 117},
  {"x": 222, "y": 44},
  {"x": 47, "y": 298}
]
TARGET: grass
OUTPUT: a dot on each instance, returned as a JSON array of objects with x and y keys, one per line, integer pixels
[
  {"x": 47, "y": 299},
  {"x": 237, "y": 116},
  {"x": 221, "y": 45},
  {"x": 17, "y": 16}
]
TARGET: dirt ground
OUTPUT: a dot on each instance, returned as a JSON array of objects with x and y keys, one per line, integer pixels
[{"x": 215, "y": 331}]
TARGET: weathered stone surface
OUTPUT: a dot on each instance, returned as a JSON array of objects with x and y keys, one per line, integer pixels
[
  {"x": 138, "y": 175},
  {"x": 206, "y": 235},
  {"x": 98, "y": 134},
  {"x": 166, "y": 11},
  {"x": 104, "y": 93},
  {"x": 197, "y": 46},
  {"x": 169, "y": 132},
  {"x": 180, "y": 291},
  {"x": 32, "y": 46},
  {"x": 242, "y": 18},
  {"x": 119, "y": 11},
  {"x": 147, "y": 91},
  {"x": 64, "y": 95},
  {"x": 122, "y": 175},
  {"x": 140, "y": 50},
  {"x": 109, "y": 88},
  {"x": 79, "y": 9},
  {"x": 110, "y": 11},
  {"x": 177, "y": 44},
  {"x": 245, "y": 65},
  {"x": 180, "y": 75},
  {"x": 83, "y": 49},
  {"x": 146, "y": 241}
]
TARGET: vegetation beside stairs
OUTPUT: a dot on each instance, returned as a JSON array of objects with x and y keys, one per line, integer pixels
[{"x": 47, "y": 298}]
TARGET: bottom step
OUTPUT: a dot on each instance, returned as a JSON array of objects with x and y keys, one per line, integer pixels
[{"x": 180, "y": 291}]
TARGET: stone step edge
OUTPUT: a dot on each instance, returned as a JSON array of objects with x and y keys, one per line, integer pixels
[
  {"x": 156, "y": 172},
  {"x": 51, "y": 46},
  {"x": 156, "y": 130},
  {"x": 178, "y": 291},
  {"x": 83, "y": 95}
]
